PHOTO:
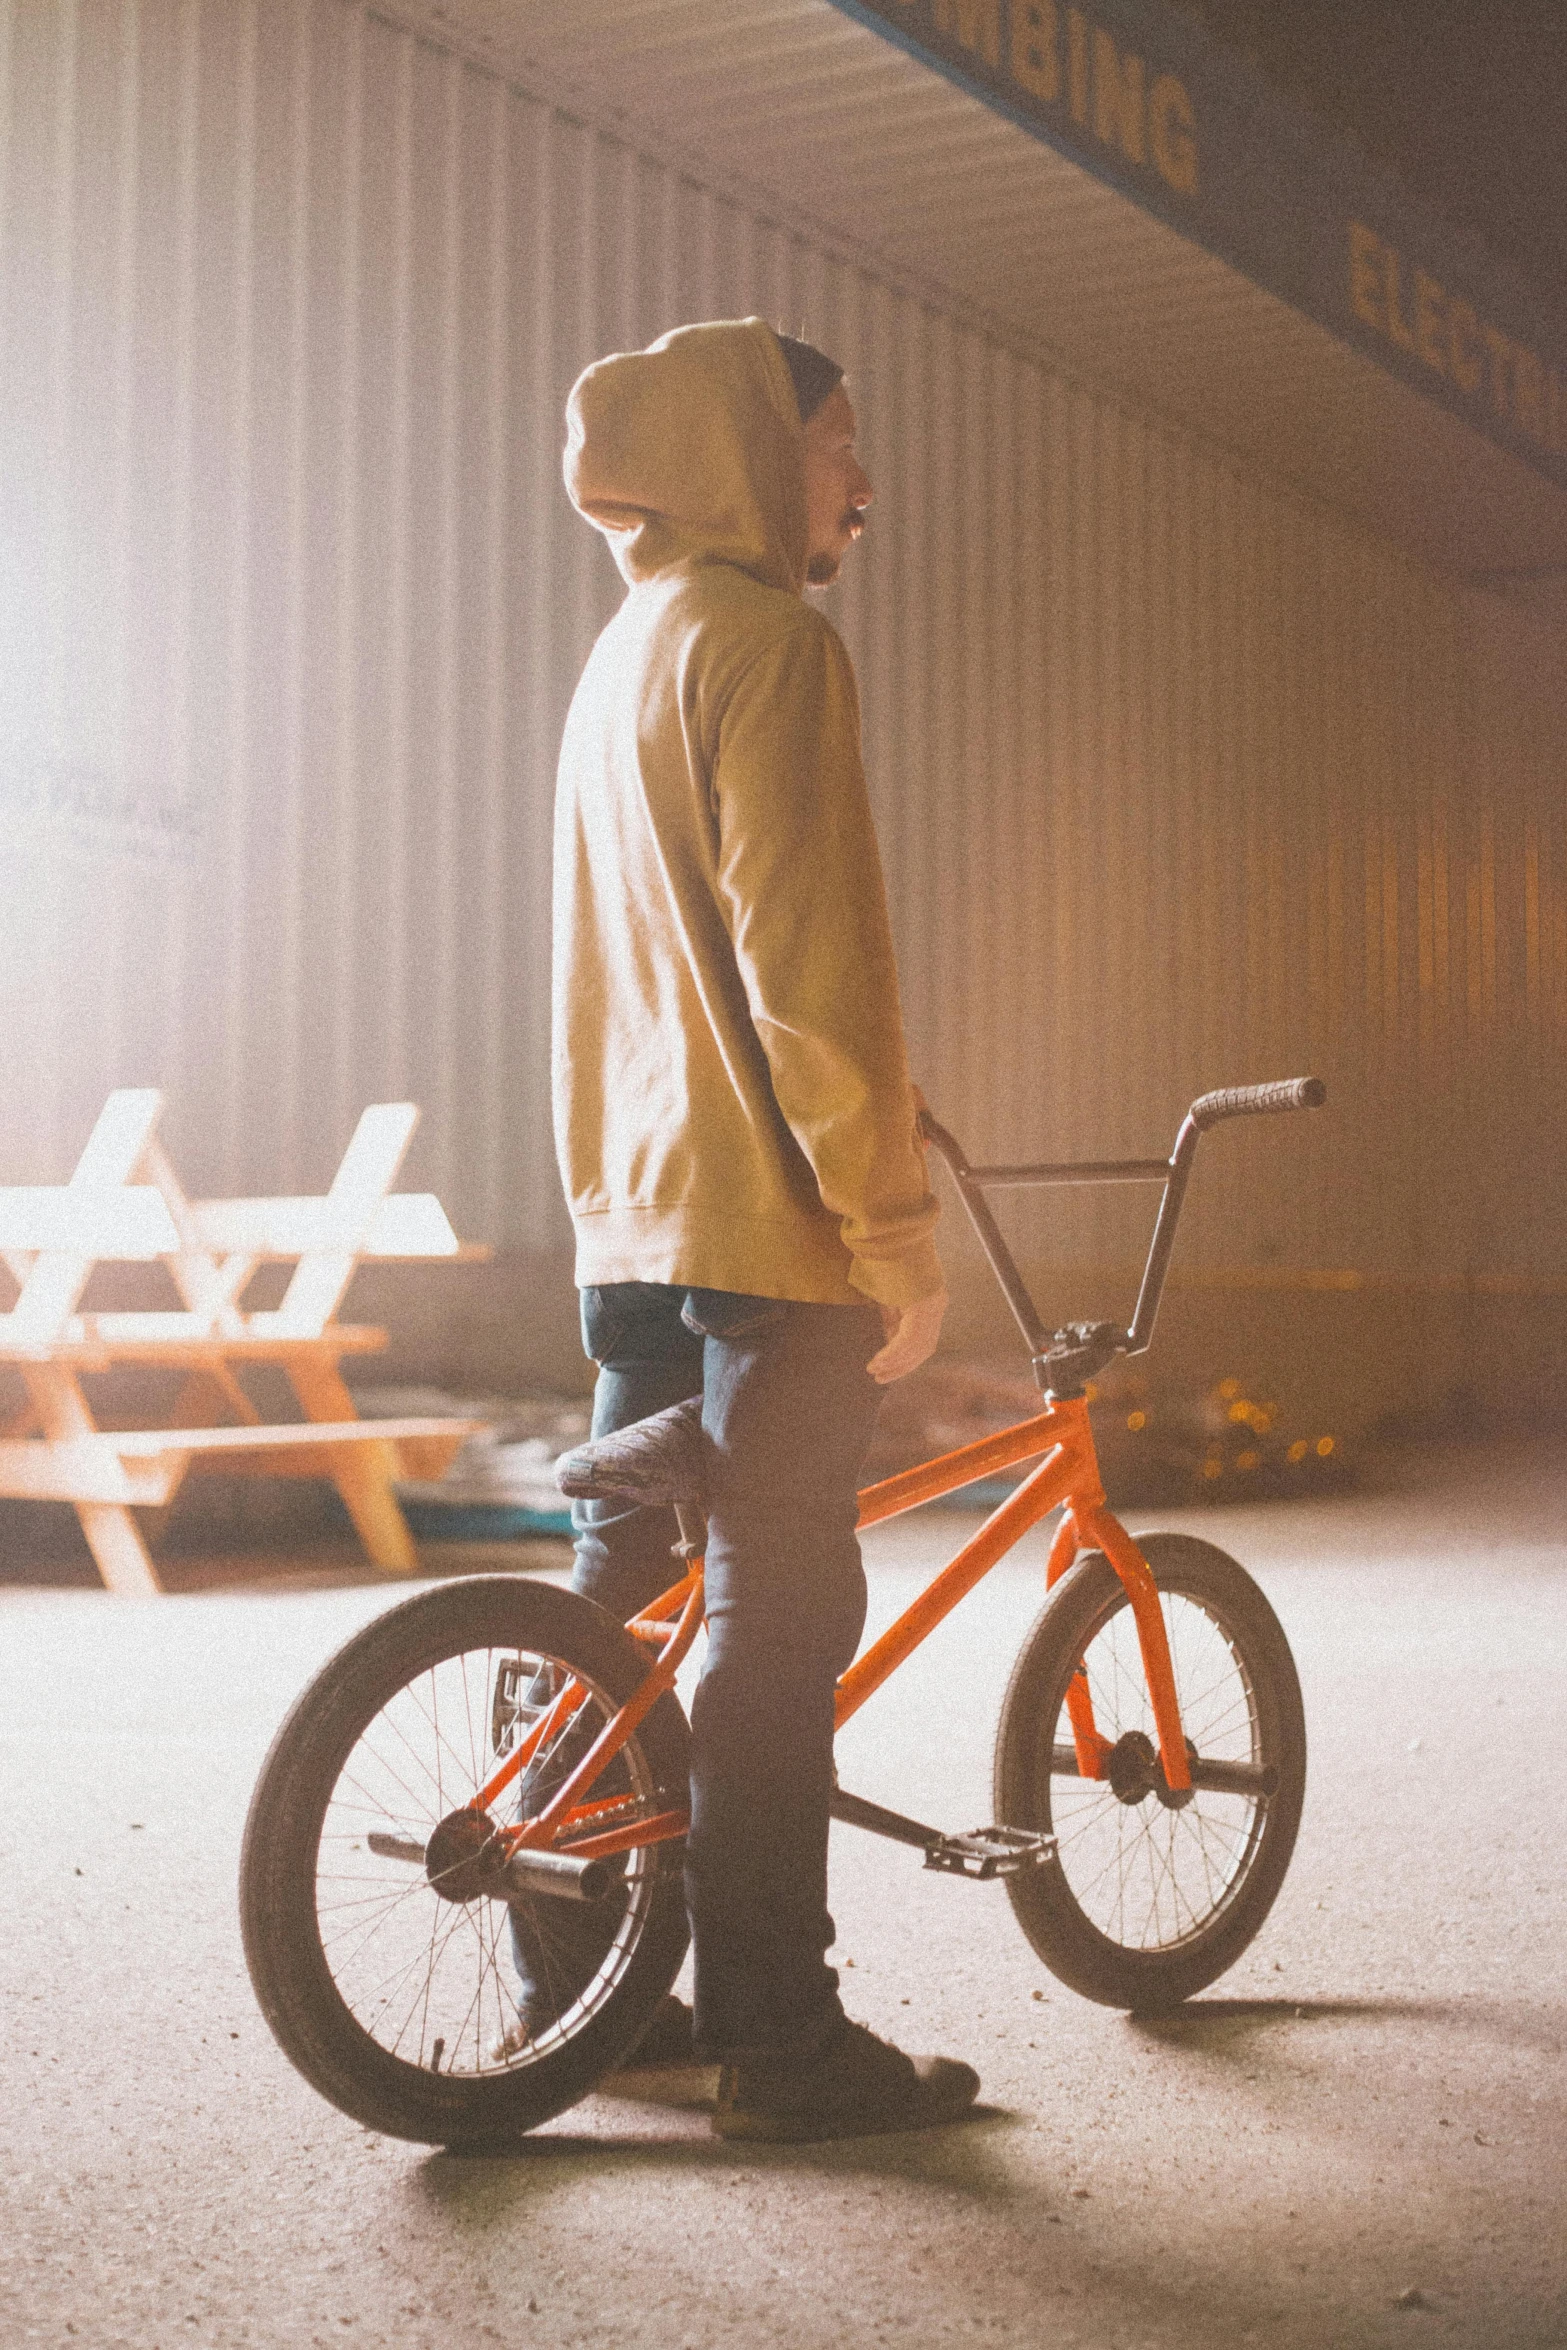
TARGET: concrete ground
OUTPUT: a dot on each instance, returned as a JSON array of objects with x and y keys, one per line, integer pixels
[{"x": 1356, "y": 2138}]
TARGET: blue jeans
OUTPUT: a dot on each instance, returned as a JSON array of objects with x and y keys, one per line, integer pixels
[{"x": 789, "y": 1410}]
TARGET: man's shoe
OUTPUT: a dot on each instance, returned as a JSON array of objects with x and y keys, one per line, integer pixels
[{"x": 857, "y": 2087}]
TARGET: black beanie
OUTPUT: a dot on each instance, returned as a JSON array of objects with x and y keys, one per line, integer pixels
[{"x": 813, "y": 374}]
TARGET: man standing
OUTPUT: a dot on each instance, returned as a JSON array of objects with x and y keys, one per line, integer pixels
[{"x": 737, "y": 1136}]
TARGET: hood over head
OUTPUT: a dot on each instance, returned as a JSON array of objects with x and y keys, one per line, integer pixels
[{"x": 692, "y": 451}]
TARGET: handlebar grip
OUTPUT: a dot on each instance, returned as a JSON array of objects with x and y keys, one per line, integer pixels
[{"x": 1256, "y": 1101}]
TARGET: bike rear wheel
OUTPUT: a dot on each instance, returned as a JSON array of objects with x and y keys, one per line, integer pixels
[
  {"x": 393, "y": 1982},
  {"x": 1149, "y": 1898}
]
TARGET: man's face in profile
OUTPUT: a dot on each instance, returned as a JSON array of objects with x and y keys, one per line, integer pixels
[{"x": 837, "y": 488}]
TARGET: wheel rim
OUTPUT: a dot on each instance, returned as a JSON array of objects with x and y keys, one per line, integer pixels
[
  {"x": 433, "y": 1982},
  {"x": 1146, "y": 1877}
]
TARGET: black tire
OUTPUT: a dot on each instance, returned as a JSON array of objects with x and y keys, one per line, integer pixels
[
  {"x": 1144, "y": 1904},
  {"x": 394, "y": 2001}
]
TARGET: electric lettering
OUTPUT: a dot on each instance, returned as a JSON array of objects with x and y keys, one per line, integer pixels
[{"x": 1413, "y": 310}]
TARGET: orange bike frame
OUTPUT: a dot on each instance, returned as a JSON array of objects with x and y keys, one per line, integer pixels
[{"x": 1067, "y": 1478}]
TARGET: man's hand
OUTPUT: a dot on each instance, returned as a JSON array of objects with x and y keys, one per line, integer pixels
[{"x": 912, "y": 1332}]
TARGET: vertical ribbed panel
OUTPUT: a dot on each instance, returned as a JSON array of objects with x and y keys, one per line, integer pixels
[{"x": 1181, "y": 781}]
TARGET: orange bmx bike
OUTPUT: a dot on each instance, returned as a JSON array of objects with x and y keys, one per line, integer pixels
[{"x": 492, "y": 1755}]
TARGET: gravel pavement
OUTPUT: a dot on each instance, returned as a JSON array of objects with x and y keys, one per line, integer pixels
[{"x": 1356, "y": 2138}]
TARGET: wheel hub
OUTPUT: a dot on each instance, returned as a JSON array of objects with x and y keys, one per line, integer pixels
[
  {"x": 461, "y": 1857},
  {"x": 1135, "y": 1772},
  {"x": 1132, "y": 1767}
]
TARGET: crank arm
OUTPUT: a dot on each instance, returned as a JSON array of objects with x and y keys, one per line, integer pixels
[
  {"x": 855, "y": 1812},
  {"x": 984, "y": 1853}
]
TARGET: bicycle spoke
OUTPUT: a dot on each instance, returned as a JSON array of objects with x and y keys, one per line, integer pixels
[
  {"x": 420, "y": 2004},
  {"x": 378, "y": 1809},
  {"x": 469, "y": 1776},
  {"x": 405, "y": 1888},
  {"x": 429, "y": 1985},
  {"x": 372, "y": 1926},
  {"x": 467, "y": 1701},
  {"x": 475, "y": 2005}
]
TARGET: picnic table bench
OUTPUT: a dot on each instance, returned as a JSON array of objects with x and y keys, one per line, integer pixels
[{"x": 124, "y": 1202}]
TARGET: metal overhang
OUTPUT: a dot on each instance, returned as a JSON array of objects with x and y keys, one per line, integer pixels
[{"x": 1106, "y": 186}]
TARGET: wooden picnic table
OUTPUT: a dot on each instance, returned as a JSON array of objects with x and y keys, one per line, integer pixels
[{"x": 124, "y": 1203}]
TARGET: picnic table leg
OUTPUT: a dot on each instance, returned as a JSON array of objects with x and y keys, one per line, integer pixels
[
  {"x": 362, "y": 1473},
  {"x": 113, "y": 1536},
  {"x": 206, "y": 1394}
]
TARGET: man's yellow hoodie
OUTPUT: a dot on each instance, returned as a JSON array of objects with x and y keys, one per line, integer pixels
[{"x": 732, "y": 1098}]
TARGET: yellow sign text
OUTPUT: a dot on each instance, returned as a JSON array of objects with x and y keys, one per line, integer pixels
[
  {"x": 1407, "y": 306},
  {"x": 1059, "y": 56}
]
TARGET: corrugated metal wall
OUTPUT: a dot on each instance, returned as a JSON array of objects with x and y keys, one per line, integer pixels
[{"x": 1181, "y": 781}]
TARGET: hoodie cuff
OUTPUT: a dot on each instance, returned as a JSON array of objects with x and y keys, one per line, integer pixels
[{"x": 901, "y": 1280}]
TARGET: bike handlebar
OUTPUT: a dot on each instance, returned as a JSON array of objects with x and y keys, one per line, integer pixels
[
  {"x": 1076, "y": 1352},
  {"x": 1257, "y": 1101}
]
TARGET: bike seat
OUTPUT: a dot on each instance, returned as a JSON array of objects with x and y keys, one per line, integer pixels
[{"x": 659, "y": 1461}]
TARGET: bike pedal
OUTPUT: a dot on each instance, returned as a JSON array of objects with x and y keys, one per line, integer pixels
[{"x": 990, "y": 1852}]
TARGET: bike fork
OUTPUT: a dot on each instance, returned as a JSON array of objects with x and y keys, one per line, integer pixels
[{"x": 1091, "y": 1527}]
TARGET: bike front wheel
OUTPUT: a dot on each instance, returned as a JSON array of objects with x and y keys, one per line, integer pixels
[
  {"x": 1151, "y": 1896},
  {"x": 411, "y": 1984}
]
